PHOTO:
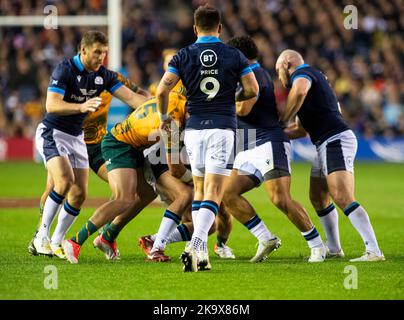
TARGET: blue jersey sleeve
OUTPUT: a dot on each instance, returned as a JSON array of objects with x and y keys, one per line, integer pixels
[
  {"x": 59, "y": 79},
  {"x": 174, "y": 65},
  {"x": 112, "y": 82},
  {"x": 303, "y": 74},
  {"x": 244, "y": 66}
]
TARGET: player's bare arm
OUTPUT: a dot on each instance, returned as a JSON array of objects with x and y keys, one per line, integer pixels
[
  {"x": 243, "y": 108},
  {"x": 144, "y": 93},
  {"x": 135, "y": 88},
  {"x": 295, "y": 130},
  {"x": 296, "y": 97},
  {"x": 131, "y": 98},
  {"x": 250, "y": 87},
  {"x": 166, "y": 84},
  {"x": 178, "y": 169},
  {"x": 56, "y": 104}
]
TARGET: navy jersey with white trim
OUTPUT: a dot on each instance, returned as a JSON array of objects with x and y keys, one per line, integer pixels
[
  {"x": 210, "y": 71},
  {"x": 77, "y": 85},
  {"x": 320, "y": 113},
  {"x": 263, "y": 117}
]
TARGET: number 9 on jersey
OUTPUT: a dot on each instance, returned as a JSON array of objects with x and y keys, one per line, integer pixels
[{"x": 210, "y": 86}]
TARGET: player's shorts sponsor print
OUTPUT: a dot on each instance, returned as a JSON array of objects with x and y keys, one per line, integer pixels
[
  {"x": 52, "y": 143},
  {"x": 95, "y": 156},
  {"x": 337, "y": 153},
  {"x": 268, "y": 161},
  {"x": 120, "y": 155},
  {"x": 210, "y": 151}
]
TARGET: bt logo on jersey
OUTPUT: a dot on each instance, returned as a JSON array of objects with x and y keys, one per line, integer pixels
[{"x": 208, "y": 58}]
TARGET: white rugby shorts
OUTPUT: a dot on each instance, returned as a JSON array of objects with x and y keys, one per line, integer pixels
[
  {"x": 337, "y": 153},
  {"x": 268, "y": 161},
  {"x": 210, "y": 151},
  {"x": 52, "y": 143}
]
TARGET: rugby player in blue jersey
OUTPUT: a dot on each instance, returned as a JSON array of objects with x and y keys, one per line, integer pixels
[
  {"x": 73, "y": 92},
  {"x": 210, "y": 71},
  {"x": 265, "y": 158},
  {"x": 313, "y": 101}
]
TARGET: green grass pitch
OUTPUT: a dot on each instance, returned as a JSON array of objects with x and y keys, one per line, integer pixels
[{"x": 286, "y": 275}]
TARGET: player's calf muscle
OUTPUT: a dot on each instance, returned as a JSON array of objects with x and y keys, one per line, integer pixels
[{"x": 281, "y": 200}]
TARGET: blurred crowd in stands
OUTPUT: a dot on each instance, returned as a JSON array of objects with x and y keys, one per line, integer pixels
[{"x": 364, "y": 65}]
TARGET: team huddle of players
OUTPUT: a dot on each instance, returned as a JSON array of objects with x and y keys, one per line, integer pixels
[{"x": 223, "y": 101}]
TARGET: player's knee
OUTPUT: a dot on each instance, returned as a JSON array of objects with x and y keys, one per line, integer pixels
[
  {"x": 186, "y": 196},
  {"x": 183, "y": 196},
  {"x": 214, "y": 192},
  {"x": 63, "y": 185},
  {"x": 342, "y": 200},
  {"x": 77, "y": 197},
  {"x": 124, "y": 201}
]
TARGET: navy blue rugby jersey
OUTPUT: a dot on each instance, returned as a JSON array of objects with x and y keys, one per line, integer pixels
[
  {"x": 263, "y": 117},
  {"x": 210, "y": 71},
  {"x": 320, "y": 113},
  {"x": 77, "y": 85}
]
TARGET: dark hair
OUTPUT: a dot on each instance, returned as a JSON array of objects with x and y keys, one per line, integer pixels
[
  {"x": 246, "y": 45},
  {"x": 206, "y": 17},
  {"x": 93, "y": 36}
]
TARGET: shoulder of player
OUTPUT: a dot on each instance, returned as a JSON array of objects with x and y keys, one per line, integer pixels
[
  {"x": 184, "y": 51},
  {"x": 65, "y": 64},
  {"x": 67, "y": 67},
  {"x": 63, "y": 69},
  {"x": 258, "y": 70},
  {"x": 307, "y": 72}
]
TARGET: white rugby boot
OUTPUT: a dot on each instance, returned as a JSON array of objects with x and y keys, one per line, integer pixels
[
  {"x": 42, "y": 246},
  {"x": 318, "y": 254},
  {"x": 189, "y": 259},
  {"x": 203, "y": 261},
  {"x": 369, "y": 256},
  {"x": 265, "y": 247}
]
